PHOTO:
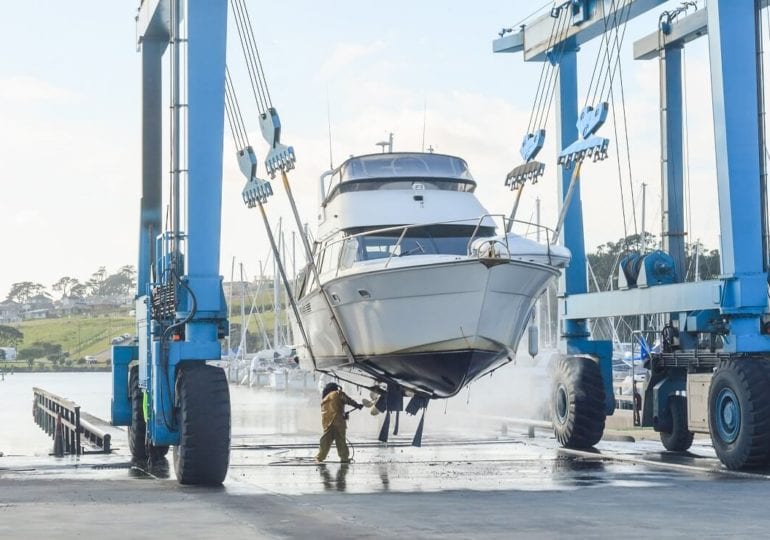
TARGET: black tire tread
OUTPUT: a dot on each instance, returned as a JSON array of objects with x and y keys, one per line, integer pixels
[
  {"x": 749, "y": 379},
  {"x": 203, "y": 398},
  {"x": 138, "y": 429},
  {"x": 680, "y": 438},
  {"x": 584, "y": 426}
]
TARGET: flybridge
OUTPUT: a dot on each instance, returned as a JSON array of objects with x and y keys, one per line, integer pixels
[{"x": 406, "y": 170}]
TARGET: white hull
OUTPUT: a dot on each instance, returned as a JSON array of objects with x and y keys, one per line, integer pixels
[{"x": 409, "y": 323}]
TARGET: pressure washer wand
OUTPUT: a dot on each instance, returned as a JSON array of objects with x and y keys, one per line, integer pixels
[{"x": 346, "y": 414}]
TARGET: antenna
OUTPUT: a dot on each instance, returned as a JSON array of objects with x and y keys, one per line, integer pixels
[
  {"x": 424, "y": 118},
  {"x": 329, "y": 124},
  {"x": 387, "y": 144}
]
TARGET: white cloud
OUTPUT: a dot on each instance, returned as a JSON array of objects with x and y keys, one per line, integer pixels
[
  {"x": 22, "y": 89},
  {"x": 346, "y": 55}
]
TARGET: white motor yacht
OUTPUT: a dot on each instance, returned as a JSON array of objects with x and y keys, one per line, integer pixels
[{"x": 427, "y": 290}]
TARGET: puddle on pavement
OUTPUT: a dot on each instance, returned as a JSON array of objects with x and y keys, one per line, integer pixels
[{"x": 275, "y": 437}]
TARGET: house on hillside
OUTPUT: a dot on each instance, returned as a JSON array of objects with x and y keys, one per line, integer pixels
[
  {"x": 100, "y": 304},
  {"x": 10, "y": 311},
  {"x": 37, "y": 302},
  {"x": 35, "y": 314},
  {"x": 71, "y": 306},
  {"x": 39, "y": 306}
]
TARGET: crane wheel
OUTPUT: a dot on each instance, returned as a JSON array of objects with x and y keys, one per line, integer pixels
[
  {"x": 577, "y": 402},
  {"x": 739, "y": 413},
  {"x": 680, "y": 438},
  {"x": 203, "y": 413},
  {"x": 156, "y": 452},
  {"x": 137, "y": 430}
]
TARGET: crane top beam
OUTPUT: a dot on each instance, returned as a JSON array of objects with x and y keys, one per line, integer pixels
[
  {"x": 589, "y": 19},
  {"x": 683, "y": 31},
  {"x": 153, "y": 21}
]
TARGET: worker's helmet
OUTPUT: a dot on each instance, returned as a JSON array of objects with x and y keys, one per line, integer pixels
[{"x": 329, "y": 388}]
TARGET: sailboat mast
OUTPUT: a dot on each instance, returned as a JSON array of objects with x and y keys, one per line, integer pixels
[
  {"x": 277, "y": 293},
  {"x": 244, "y": 322}
]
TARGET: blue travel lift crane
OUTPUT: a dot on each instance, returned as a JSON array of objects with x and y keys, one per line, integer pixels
[
  {"x": 720, "y": 387},
  {"x": 163, "y": 388}
]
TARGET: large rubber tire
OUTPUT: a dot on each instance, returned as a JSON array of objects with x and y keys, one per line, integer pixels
[
  {"x": 156, "y": 452},
  {"x": 137, "y": 430},
  {"x": 203, "y": 406},
  {"x": 680, "y": 438},
  {"x": 739, "y": 413},
  {"x": 577, "y": 402}
]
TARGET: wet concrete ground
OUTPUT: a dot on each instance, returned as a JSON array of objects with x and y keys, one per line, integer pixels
[{"x": 469, "y": 480}]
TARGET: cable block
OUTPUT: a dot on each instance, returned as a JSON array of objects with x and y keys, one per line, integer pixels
[
  {"x": 532, "y": 144},
  {"x": 521, "y": 174},
  {"x": 592, "y": 147},
  {"x": 247, "y": 162},
  {"x": 591, "y": 119},
  {"x": 280, "y": 158},
  {"x": 256, "y": 191}
]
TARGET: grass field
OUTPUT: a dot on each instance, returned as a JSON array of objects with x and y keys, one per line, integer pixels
[
  {"x": 79, "y": 336},
  {"x": 91, "y": 336}
]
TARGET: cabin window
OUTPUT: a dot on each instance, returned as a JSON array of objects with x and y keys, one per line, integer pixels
[
  {"x": 439, "y": 184},
  {"x": 330, "y": 257},
  {"x": 350, "y": 253}
]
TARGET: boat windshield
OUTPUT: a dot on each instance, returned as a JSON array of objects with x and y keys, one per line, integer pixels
[
  {"x": 405, "y": 166},
  {"x": 428, "y": 240}
]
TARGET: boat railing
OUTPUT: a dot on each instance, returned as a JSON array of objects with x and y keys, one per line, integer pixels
[
  {"x": 534, "y": 231},
  {"x": 531, "y": 231},
  {"x": 403, "y": 228}
]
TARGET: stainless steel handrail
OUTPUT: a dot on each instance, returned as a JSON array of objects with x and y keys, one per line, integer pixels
[{"x": 405, "y": 228}]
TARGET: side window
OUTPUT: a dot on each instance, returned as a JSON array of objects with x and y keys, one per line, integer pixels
[
  {"x": 330, "y": 256},
  {"x": 349, "y": 253}
]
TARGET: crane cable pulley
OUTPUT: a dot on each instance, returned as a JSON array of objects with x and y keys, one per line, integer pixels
[
  {"x": 279, "y": 157},
  {"x": 593, "y": 117},
  {"x": 534, "y": 139}
]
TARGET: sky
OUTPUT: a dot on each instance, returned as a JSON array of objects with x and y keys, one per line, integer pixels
[{"x": 70, "y": 121}]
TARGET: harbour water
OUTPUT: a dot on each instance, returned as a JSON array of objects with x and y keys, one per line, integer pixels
[{"x": 18, "y": 433}]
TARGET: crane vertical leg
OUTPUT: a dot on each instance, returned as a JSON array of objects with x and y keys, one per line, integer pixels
[
  {"x": 574, "y": 277},
  {"x": 152, "y": 158},
  {"x": 207, "y": 24},
  {"x": 582, "y": 389},
  {"x": 201, "y": 396},
  {"x": 739, "y": 151},
  {"x": 152, "y": 184},
  {"x": 672, "y": 157},
  {"x": 576, "y": 333},
  {"x": 126, "y": 373}
]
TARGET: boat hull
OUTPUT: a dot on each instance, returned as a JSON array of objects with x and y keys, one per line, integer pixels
[{"x": 430, "y": 328}]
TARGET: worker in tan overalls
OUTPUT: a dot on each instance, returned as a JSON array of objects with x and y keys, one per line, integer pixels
[{"x": 333, "y": 401}]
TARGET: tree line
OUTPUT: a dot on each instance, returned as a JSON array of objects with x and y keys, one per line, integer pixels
[
  {"x": 101, "y": 283},
  {"x": 605, "y": 259}
]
